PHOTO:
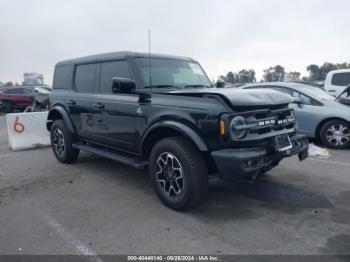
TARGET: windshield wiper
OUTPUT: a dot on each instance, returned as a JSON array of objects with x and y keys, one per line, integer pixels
[
  {"x": 188, "y": 86},
  {"x": 162, "y": 86}
]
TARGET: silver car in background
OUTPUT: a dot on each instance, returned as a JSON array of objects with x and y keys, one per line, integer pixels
[{"x": 318, "y": 114}]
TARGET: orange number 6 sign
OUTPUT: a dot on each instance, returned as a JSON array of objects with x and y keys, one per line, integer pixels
[{"x": 18, "y": 127}]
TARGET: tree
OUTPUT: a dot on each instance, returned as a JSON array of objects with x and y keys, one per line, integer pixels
[
  {"x": 292, "y": 77},
  {"x": 222, "y": 77},
  {"x": 243, "y": 76},
  {"x": 230, "y": 77},
  {"x": 326, "y": 68},
  {"x": 318, "y": 73},
  {"x": 8, "y": 84},
  {"x": 274, "y": 74},
  {"x": 246, "y": 76},
  {"x": 280, "y": 72},
  {"x": 252, "y": 76},
  {"x": 314, "y": 72},
  {"x": 343, "y": 65}
]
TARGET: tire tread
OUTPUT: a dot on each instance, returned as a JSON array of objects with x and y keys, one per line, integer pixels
[
  {"x": 197, "y": 169},
  {"x": 72, "y": 153}
]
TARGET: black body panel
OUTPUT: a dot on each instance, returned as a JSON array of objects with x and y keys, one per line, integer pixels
[{"x": 132, "y": 122}]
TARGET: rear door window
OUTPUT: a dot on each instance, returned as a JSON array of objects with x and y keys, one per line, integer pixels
[
  {"x": 63, "y": 77},
  {"x": 110, "y": 70},
  {"x": 285, "y": 90},
  {"x": 7, "y": 91},
  {"x": 341, "y": 79},
  {"x": 85, "y": 78},
  {"x": 27, "y": 91},
  {"x": 13, "y": 91}
]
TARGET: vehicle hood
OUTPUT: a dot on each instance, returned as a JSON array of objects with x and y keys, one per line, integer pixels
[
  {"x": 240, "y": 97},
  {"x": 337, "y": 107}
]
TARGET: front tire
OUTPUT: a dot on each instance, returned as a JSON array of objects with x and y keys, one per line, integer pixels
[
  {"x": 62, "y": 143},
  {"x": 178, "y": 173},
  {"x": 335, "y": 134}
]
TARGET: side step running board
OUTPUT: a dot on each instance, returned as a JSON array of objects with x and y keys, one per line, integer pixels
[{"x": 113, "y": 155}]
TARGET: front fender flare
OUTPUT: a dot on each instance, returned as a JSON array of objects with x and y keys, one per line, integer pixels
[
  {"x": 63, "y": 113},
  {"x": 180, "y": 127}
]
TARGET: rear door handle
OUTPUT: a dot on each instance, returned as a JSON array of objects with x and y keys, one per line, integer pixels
[
  {"x": 99, "y": 106},
  {"x": 71, "y": 102}
]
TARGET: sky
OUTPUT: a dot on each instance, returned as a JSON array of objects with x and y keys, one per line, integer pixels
[{"x": 223, "y": 35}]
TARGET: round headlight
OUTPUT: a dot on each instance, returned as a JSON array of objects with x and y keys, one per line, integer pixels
[{"x": 236, "y": 131}]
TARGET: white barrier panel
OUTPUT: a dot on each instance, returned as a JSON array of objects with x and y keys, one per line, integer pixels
[{"x": 27, "y": 130}]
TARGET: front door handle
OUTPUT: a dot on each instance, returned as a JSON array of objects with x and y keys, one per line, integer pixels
[
  {"x": 71, "y": 102},
  {"x": 99, "y": 106}
]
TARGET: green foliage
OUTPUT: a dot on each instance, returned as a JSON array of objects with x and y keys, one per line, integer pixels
[
  {"x": 319, "y": 73},
  {"x": 242, "y": 76},
  {"x": 8, "y": 84},
  {"x": 230, "y": 77},
  {"x": 293, "y": 76},
  {"x": 274, "y": 74}
]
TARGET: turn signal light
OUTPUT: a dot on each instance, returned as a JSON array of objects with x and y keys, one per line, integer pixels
[{"x": 222, "y": 127}]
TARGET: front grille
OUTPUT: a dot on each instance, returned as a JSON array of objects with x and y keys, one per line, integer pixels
[
  {"x": 272, "y": 120},
  {"x": 263, "y": 123}
]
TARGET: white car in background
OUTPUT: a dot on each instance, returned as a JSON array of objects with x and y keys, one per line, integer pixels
[{"x": 336, "y": 81}]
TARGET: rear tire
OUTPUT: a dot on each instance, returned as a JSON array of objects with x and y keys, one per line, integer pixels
[
  {"x": 178, "y": 173},
  {"x": 62, "y": 141},
  {"x": 335, "y": 134}
]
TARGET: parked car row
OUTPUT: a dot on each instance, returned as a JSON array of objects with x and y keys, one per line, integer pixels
[{"x": 21, "y": 97}]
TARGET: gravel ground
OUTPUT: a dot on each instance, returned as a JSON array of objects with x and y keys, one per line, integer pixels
[{"x": 97, "y": 206}]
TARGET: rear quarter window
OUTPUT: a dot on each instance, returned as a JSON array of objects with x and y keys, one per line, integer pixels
[
  {"x": 84, "y": 80},
  {"x": 13, "y": 91},
  {"x": 63, "y": 77},
  {"x": 341, "y": 79}
]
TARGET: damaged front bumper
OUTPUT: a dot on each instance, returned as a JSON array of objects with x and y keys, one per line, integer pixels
[{"x": 244, "y": 164}]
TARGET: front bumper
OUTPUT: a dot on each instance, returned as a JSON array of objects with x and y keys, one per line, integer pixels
[{"x": 244, "y": 164}]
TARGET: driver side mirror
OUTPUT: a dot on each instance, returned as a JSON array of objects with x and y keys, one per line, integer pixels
[
  {"x": 123, "y": 85},
  {"x": 220, "y": 83}
]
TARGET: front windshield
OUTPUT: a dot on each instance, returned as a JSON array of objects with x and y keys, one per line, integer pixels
[
  {"x": 172, "y": 73},
  {"x": 314, "y": 92}
]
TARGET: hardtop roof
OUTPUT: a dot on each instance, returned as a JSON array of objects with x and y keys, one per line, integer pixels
[{"x": 119, "y": 55}]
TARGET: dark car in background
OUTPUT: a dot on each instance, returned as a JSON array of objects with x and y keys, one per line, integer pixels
[{"x": 20, "y": 97}]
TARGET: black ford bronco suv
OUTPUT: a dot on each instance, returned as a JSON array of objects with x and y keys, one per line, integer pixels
[{"x": 162, "y": 112}]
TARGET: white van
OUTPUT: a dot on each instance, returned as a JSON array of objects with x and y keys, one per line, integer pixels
[{"x": 336, "y": 81}]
